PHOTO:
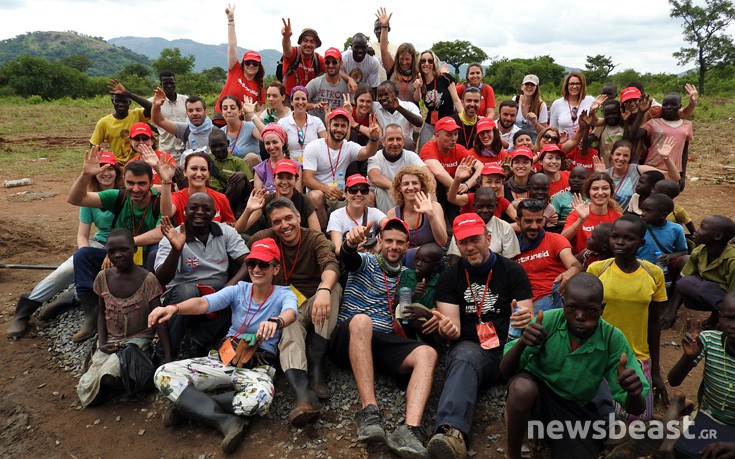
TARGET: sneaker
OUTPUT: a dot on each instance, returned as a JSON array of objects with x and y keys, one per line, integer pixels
[
  {"x": 368, "y": 422},
  {"x": 408, "y": 441},
  {"x": 448, "y": 444}
]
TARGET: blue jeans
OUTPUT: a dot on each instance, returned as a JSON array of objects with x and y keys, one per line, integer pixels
[
  {"x": 59, "y": 280},
  {"x": 550, "y": 301},
  {"x": 87, "y": 264},
  {"x": 469, "y": 368}
]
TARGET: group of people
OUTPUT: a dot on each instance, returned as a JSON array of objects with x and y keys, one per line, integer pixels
[{"x": 325, "y": 217}]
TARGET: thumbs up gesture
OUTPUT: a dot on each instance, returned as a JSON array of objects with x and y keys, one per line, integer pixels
[
  {"x": 627, "y": 377},
  {"x": 535, "y": 333},
  {"x": 358, "y": 234}
]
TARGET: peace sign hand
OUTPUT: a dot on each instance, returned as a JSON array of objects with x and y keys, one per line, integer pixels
[
  {"x": 230, "y": 12},
  {"x": 375, "y": 132},
  {"x": 286, "y": 30}
]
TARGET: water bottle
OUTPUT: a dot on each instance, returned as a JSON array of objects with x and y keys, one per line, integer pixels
[
  {"x": 404, "y": 299},
  {"x": 513, "y": 332},
  {"x": 665, "y": 268},
  {"x": 341, "y": 181}
]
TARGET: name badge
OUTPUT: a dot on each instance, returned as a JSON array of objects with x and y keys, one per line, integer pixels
[
  {"x": 138, "y": 256},
  {"x": 487, "y": 335}
]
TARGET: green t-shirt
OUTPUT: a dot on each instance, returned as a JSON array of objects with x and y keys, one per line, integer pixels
[
  {"x": 408, "y": 279},
  {"x": 101, "y": 218},
  {"x": 141, "y": 220},
  {"x": 577, "y": 375},
  {"x": 226, "y": 168}
]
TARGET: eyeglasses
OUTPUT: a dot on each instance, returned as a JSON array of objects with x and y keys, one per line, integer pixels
[
  {"x": 141, "y": 138},
  {"x": 263, "y": 265},
  {"x": 427, "y": 61},
  {"x": 574, "y": 84},
  {"x": 363, "y": 190},
  {"x": 548, "y": 136},
  {"x": 301, "y": 137},
  {"x": 251, "y": 63},
  {"x": 573, "y": 114},
  {"x": 331, "y": 62}
]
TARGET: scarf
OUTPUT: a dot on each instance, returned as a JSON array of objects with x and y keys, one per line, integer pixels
[
  {"x": 488, "y": 152},
  {"x": 199, "y": 135},
  {"x": 391, "y": 270},
  {"x": 524, "y": 246},
  {"x": 483, "y": 269},
  {"x": 516, "y": 188}
]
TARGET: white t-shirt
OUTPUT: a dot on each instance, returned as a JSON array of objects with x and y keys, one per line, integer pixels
[
  {"x": 390, "y": 169},
  {"x": 312, "y": 128},
  {"x": 560, "y": 115},
  {"x": 508, "y": 136},
  {"x": 328, "y": 163},
  {"x": 385, "y": 117},
  {"x": 523, "y": 123},
  {"x": 367, "y": 71},
  {"x": 341, "y": 222}
]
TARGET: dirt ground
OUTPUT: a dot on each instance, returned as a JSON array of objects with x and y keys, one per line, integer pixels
[{"x": 38, "y": 404}]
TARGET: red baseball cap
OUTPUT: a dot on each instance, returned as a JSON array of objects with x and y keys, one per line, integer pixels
[
  {"x": 339, "y": 112},
  {"x": 140, "y": 129},
  {"x": 107, "y": 157},
  {"x": 485, "y": 124},
  {"x": 492, "y": 169},
  {"x": 264, "y": 250},
  {"x": 356, "y": 179},
  {"x": 251, "y": 56},
  {"x": 333, "y": 52},
  {"x": 467, "y": 225},
  {"x": 522, "y": 151},
  {"x": 629, "y": 93},
  {"x": 446, "y": 124},
  {"x": 551, "y": 148},
  {"x": 393, "y": 222},
  {"x": 286, "y": 165}
]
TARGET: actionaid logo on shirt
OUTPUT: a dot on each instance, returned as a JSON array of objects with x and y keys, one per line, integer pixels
[
  {"x": 454, "y": 164},
  {"x": 588, "y": 228},
  {"x": 535, "y": 256}
]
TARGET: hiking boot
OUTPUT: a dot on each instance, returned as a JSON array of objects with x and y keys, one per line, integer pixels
[
  {"x": 447, "y": 444},
  {"x": 90, "y": 307},
  {"x": 63, "y": 301},
  {"x": 315, "y": 352},
  {"x": 369, "y": 427},
  {"x": 307, "y": 403},
  {"x": 23, "y": 310},
  {"x": 408, "y": 441}
]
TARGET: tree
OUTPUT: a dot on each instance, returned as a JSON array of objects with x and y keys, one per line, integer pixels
[
  {"x": 598, "y": 68},
  {"x": 505, "y": 75},
  {"x": 458, "y": 52},
  {"x": 704, "y": 27},
  {"x": 22, "y": 76},
  {"x": 136, "y": 69},
  {"x": 171, "y": 59},
  {"x": 77, "y": 61},
  {"x": 216, "y": 75}
]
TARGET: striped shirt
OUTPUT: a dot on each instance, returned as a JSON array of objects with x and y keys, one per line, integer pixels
[
  {"x": 365, "y": 294},
  {"x": 719, "y": 378}
]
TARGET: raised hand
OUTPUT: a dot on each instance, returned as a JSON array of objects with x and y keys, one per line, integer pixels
[
  {"x": 464, "y": 168},
  {"x": 664, "y": 150},
  {"x": 176, "y": 238},
  {"x": 91, "y": 164},
  {"x": 692, "y": 91},
  {"x": 116, "y": 87},
  {"x": 598, "y": 164},
  {"x": 418, "y": 82},
  {"x": 424, "y": 204},
  {"x": 166, "y": 171},
  {"x": 690, "y": 343},
  {"x": 625, "y": 114},
  {"x": 644, "y": 103},
  {"x": 581, "y": 206},
  {"x": 393, "y": 101},
  {"x": 230, "y": 12},
  {"x": 627, "y": 377},
  {"x": 256, "y": 201},
  {"x": 599, "y": 100},
  {"x": 585, "y": 120},
  {"x": 286, "y": 30},
  {"x": 148, "y": 155},
  {"x": 358, "y": 234},
  {"x": 534, "y": 334},
  {"x": 159, "y": 97},
  {"x": 375, "y": 131},
  {"x": 248, "y": 107},
  {"x": 383, "y": 16}
]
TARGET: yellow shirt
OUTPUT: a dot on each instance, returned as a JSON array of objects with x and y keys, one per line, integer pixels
[
  {"x": 117, "y": 133},
  {"x": 627, "y": 300}
]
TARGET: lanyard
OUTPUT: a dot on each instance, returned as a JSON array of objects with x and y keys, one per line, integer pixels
[
  {"x": 387, "y": 292},
  {"x": 333, "y": 167},
  {"x": 364, "y": 215},
  {"x": 142, "y": 218},
  {"x": 287, "y": 273},
  {"x": 622, "y": 179},
  {"x": 234, "y": 144},
  {"x": 478, "y": 306},
  {"x": 243, "y": 328}
]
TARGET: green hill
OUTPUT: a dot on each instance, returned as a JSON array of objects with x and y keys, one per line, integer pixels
[{"x": 106, "y": 59}]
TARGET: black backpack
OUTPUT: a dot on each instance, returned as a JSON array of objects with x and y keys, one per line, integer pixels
[{"x": 295, "y": 64}]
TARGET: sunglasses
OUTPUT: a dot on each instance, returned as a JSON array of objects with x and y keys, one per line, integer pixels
[
  {"x": 427, "y": 61},
  {"x": 574, "y": 114},
  {"x": 301, "y": 137},
  {"x": 550, "y": 137},
  {"x": 363, "y": 190},
  {"x": 331, "y": 62},
  {"x": 141, "y": 138},
  {"x": 251, "y": 63},
  {"x": 259, "y": 263}
]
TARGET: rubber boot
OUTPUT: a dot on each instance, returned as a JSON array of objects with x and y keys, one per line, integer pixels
[
  {"x": 90, "y": 307},
  {"x": 172, "y": 417},
  {"x": 200, "y": 407},
  {"x": 315, "y": 352},
  {"x": 23, "y": 310},
  {"x": 63, "y": 301},
  {"x": 307, "y": 403}
]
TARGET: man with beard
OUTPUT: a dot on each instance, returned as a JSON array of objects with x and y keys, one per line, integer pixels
[
  {"x": 386, "y": 163},
  {"x": 173, "y": 109},
  {"x": 546, "y": 257},
  {"x": 115, "y": 127},
  {"x": 309, "y": 267},
  {"x": 194, "y": 132},
  {"x": 468, "y": 118},
  {"x": 391, "y": 110},
  {"x": 359, "y": 65},
  {"x": 327, "y": 90},
  {"x": 326, "y": 160},
  {"x": 506, "y": 122},
  {"x": 197, "y": 253},
  {"x": 369, "y": 337}
]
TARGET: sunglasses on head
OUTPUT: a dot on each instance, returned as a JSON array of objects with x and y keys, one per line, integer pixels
[
  {"x": 548, "y": 136},
  {"x": 251, "y": 63},
  {"x": 259, "y": 263},
  {"x": 301, "y": 136},
  {"x": 358, "y": 189},
  {"x": 427, "y": 61},
  {"x": 141, "y": 138}
]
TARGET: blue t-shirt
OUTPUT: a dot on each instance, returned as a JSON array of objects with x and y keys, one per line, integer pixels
[
  {"x": 101, "y": 218},
  {"x": 244, "y": 142},
  {"x": 238, "y": 296},
  {"x": 670, "y": 236}
]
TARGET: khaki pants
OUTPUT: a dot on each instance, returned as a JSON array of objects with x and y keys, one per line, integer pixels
[{"x": 292, "y": 347}]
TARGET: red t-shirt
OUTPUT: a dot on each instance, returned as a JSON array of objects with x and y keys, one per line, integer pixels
[
  {"x": 163, "y": 157},
  {"x": 560, "y": 185},
  {"x": 500, "y": 206},
  {"x": 221, "y": 205},
  {"x": 449, "y": 161},
  {"x": 487, "y": 100},
  {"x": 579, "y": 242},
  {"x": 239, "y": 86},
  {"x": 498, "y": 160},
  {"x": 576, "y": 158},
  {"x": 543, "y": 264},
  {"x": 305, "y": 71}
]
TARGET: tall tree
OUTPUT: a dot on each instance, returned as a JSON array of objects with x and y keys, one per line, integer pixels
[
  {"x": 704, "y": 27},
  {"x": 458, "y": 52},
  {"x": 77, "y": 61},
  {"x": 171, "y": 59},
  {"x": 598, "y": 68}
]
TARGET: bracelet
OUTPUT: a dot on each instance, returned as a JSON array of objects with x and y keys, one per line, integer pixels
[
  {"x": 385, "y": 27},
  {"x": 278, "y": 321},
  {"x": 231, "y": 21},
  {"x": 373, "y": 139},
  {"x": 324, "y": 288}
]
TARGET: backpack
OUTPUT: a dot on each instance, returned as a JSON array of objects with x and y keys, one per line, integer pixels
[
  {"x": 122, "y": 194},
  {"x": 295, "y": 64}
]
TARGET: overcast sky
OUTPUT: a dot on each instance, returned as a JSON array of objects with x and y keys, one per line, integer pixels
[{"x": 637, "y": 34}]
